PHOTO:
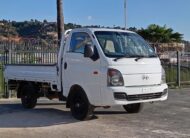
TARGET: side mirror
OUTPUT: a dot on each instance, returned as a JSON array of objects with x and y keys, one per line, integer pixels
[{"x": 88, "y": 51}]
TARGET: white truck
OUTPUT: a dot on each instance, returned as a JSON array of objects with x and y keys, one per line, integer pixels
[{"x": 96, "y": 68}]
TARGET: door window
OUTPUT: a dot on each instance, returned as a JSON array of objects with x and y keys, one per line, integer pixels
[{"x": 79, "y": 41}]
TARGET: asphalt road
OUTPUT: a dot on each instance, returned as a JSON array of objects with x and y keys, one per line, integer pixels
[{"x": 50, "y": 119}]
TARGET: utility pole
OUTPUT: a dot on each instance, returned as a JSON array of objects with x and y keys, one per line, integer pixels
[
  {"x": 125, "y": 13},
  {"x": 60, "y": 19}
]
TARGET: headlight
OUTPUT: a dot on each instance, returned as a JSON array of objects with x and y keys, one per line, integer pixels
[
  {"x": 115, "y": 78},
  {"x": 163, "y": 76}
]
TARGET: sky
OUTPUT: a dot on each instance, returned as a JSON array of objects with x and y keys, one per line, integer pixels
[{"x": 140, "y": 13}]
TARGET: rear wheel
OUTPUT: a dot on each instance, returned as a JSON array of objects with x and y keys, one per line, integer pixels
[
  {"x": 28, "y": 96},
  {"x": 133, "y": 108},
  {"x": 81, "y": 109}
]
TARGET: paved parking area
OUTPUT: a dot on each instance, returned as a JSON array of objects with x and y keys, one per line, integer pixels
[{"x": 51, "y": 119}]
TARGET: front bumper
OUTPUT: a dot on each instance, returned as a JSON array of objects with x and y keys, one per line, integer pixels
[{"x": 137, "y": 94}]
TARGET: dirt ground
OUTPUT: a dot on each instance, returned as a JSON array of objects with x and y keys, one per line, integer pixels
[{"x": 50, "y": 119}]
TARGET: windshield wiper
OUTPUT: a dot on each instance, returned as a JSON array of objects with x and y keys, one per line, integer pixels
[
  {"x": 137, "y": 57},
  {"x": 127, "y": 56},
  {"x": 116, "y": 59},
  {"x": 152, "y": 56}
]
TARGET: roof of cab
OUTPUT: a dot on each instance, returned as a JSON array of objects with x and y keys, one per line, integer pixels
[{"x": 102, "y": 29}]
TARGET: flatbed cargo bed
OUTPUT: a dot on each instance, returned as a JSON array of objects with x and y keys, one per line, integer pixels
[{"x": 34, "y": 73}]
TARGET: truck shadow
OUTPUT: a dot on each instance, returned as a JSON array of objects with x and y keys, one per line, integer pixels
[
  {"x": 15, "y": 116},
  {"x": 45, "y": 114},
  {"x": 109, "y": 112}
]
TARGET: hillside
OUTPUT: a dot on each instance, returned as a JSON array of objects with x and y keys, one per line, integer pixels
[
  {"x": 28, "y": 29},
  {"x": 44, "y": 30}
]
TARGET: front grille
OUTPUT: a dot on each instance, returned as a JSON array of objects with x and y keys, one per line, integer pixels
[{"x": 144, "y": 96}]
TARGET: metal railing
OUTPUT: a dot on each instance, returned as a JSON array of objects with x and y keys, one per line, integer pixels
[
  {"x": 30, "y": 52},
  {"x": 177, "y": 67}
]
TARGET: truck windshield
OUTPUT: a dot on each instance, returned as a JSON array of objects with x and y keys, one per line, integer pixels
[{"x": 123, "y": 44}]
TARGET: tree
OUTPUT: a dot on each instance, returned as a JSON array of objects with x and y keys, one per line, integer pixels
[
  {"x": 60, "y": 19},
  {"x": 160, "y": 34},
  {"x": 134, "y": 29}
]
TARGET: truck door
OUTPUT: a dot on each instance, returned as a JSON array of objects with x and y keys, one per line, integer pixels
[{"x": 79, "y": 70}]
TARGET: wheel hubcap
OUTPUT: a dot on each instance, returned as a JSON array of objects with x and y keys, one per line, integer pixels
[{"x": 77, "y": 105}]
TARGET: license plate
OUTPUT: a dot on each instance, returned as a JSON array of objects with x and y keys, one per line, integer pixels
[{"x": 145, "y": 90}]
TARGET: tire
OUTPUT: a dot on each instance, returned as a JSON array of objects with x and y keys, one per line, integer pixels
[
  {"x": 28, "y": 96},
  {"x": 81, "y": 109},
  {"x": 133, "y": 108}
]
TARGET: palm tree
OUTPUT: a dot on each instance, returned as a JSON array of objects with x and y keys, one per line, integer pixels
[
  {"x": 160, "y": 34},
  {"x": 60, "y": 19}
]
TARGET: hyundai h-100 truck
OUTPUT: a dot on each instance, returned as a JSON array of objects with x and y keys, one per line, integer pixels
[{"x": 95, "y": 68}]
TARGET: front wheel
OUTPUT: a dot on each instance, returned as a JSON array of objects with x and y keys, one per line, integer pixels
[
  {"x": 133, "y": 108},
  {"x": 28, "y": 96},
  {"x": 81, "y": 109}
]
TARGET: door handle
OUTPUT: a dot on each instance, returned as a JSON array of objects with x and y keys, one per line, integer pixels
[{"x": 65, "y": 65}]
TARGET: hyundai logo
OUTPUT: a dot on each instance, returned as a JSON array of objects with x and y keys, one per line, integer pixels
[{"x": 145, "y": 77}]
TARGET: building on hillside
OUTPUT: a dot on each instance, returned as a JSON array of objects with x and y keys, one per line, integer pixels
[
  {"x": 167, "y": 51},
  {"x": 1, "y": 24},
  {"x": 164, "y": 47},
  {"x": 187, "y": 46}
]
